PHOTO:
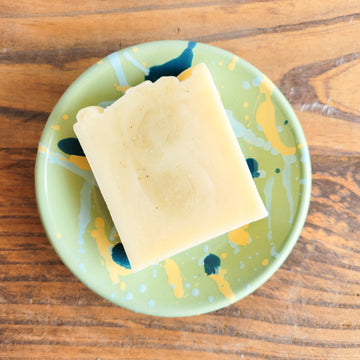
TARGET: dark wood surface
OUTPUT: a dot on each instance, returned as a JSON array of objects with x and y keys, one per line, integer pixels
[{"x": 310, "y": 308}]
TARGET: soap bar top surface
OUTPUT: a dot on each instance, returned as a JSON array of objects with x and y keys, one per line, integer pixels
[{"x": 169, "y": 166}]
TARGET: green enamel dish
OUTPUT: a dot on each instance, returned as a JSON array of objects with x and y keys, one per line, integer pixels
[{"x": 224, "y": 269}]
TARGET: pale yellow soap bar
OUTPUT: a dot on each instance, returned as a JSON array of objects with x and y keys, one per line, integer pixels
[{"x": 169, "y": 166}]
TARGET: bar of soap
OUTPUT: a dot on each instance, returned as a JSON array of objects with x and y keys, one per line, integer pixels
[{"x": 169, "y": 166}]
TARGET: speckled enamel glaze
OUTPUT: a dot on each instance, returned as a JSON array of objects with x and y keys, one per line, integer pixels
[{"x": 224, "y": 269}]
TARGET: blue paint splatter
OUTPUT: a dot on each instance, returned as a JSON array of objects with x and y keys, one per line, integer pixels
[
  {"x": 128, "y": 296},
  {"x": 305, "y": 155},
  {"x": 236, "y": 126},
  {"x": 82, "y": 267},
  {"x": 173, "y": 67},
  {"x": 113, "y": 233},
  {"x": 60, "y": 160},
  {"x": 211, "y": 299},
  {"x": 151, "y": 302},
  {"x": 268, "y": 188},
  {"x": 253, "y": 167},
  {"x": 142, "y": 288},
  {"x": 274, "y": 253},
  {"x": 256, "y": 81},
  {"x": 136, "y": 63},
  {"x": 85, "y": 210},
  {"x": 195, "y": 292},
  {"x": 201, "y": 261},
  {"x": 212, "y": 264},
  {"x": 245, "y": 84},
  {"x": 115, "y": 61},
  {"x": 106, "y": 103},
  {"x": 71, "y": 146},
  {"x": 241, "y": 131},
  {"x": 118, "y": 254},
  {"x": 286, "y": 177},
  {"x": 277, "y": 170}
]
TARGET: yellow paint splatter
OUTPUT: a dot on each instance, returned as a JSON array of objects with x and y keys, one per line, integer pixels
[
  {"x": 231, "y": 66},
  {"x": 122, "y": 285},
  {"x": 223, "y": 285},
  {"x": 299, "y": 146},
  {"x": 246, "y": 117},
  {"x": 135, "y": 49},
  {"x": 220, "y": 63},
  {"x": 42, "y": 149},
  {"x": 117, "y": 87},
  {"x": 245, "y": 104},
  {"x": 100, "y": 62},
  {"x": 125, "y": 88},
  {"x": 56, "y": 127},
  {"x": 239, "y": 236},
  {"x": 265, "y": 117},
  {"x": 80, "y": 161},
  {"x": 58, "y": 235},
  {"x": 174, "y": 277},
  {"x": 223, "y": 255},
  {"x": 65, "y": 116},
  {"x": 144, "y": 63},
  {"x": 115, "y": 270},
  {"x": 265, "y": 262}
]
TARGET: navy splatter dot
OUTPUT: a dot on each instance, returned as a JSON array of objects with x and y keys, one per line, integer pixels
[
  {"x": 286, "y": 122},
  {"x": 212, "y": 264},
  {"x": 173, "y": 67},
  {"x": 118, "y": 254},
  {"x": 71, "y": 146},
  {"x": 253, "y": 167}
]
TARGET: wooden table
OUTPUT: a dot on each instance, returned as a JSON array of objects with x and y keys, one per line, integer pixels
[{"x": 310, "y": 309}]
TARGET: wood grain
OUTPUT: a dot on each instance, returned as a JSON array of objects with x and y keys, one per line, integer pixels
[{"x": 310, "y": 309}]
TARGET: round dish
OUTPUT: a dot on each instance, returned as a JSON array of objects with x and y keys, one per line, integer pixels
[{"x": 209, "y": 276}]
